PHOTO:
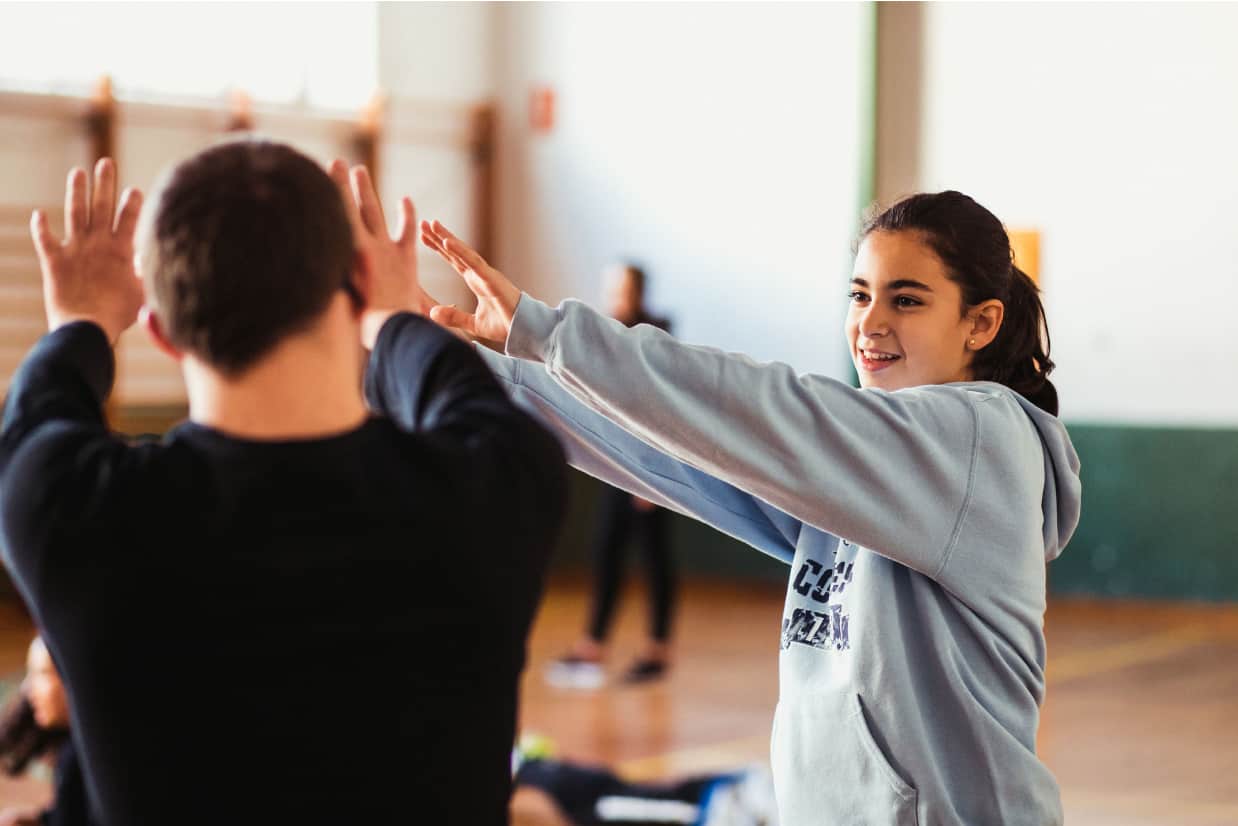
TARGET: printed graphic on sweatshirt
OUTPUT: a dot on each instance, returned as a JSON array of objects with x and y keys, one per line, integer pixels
[
  {"x": 820, "y": 629},
  {"x": 826, "y": 627}
]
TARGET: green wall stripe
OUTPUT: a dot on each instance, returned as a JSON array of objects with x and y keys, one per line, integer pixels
[
  {"x": 866, "y": 144},
  {"x": 1160, "y": 514},
  {"x": 1160, "y": 520}
]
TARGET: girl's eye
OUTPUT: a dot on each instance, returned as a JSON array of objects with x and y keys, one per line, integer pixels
[
  {"x": 907, "y": 301},
  {"x": 856, "y": 296}
]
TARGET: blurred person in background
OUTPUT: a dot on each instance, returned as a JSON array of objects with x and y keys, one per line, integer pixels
[
  {"x": 34, "y": 728},
  {"x": 620, "y": 516},
  {"x": 554, "y": 792}
]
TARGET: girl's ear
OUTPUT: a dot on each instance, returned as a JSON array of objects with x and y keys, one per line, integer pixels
[{"x": 986, "y": 319}]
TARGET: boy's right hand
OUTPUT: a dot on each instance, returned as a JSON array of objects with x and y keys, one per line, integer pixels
[{"x": 392, "y": 285}]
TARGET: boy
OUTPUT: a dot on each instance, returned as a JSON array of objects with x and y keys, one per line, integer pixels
[{"x": 225, "y": 605}]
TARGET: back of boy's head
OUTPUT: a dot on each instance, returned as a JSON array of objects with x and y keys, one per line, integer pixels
[{"x": 246, "y": 244}]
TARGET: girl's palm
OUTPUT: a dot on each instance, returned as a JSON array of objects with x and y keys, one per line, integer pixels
[{"x": 496, "y": 295}]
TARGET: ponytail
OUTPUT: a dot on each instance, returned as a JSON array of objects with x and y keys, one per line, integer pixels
[{"x": 1019, "y": 357}]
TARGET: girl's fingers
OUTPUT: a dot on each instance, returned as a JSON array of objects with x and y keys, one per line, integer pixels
[
  {"x": 103, "y": 198},
  {"x": 127, "y": 216},
  {"x": 454, "y": 318},
  {"x": 430, "y": 239},
  {"x": 435, "y": 243},
  {"x": 462, "y": 256},
  {"x": 469, "y": 256},
  {"x": 480, "y": 286},
  {"x": 459, "y": 248},
  {"x": 76, "y": 212}
]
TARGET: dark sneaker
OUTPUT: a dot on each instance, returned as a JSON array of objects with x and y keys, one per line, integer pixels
[{"x": 643, "y": 671}]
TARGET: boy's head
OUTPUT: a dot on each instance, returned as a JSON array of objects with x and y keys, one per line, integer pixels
[{"x": 241, "y": 246}]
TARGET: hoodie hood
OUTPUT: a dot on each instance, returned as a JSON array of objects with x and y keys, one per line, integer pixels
[{"x": 1063, "y": 491}]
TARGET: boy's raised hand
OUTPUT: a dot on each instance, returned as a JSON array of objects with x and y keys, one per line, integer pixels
[
  {"x": 497, "y": 296},
  {"x": 90, "y": 275},
  {"x": 392, "y": 285}
]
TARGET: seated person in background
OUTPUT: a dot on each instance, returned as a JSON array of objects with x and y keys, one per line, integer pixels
[
  {"x": 35, "y": 726},
  {"x": 552, "y": 792},
  {"x": 223, "y": 604}
]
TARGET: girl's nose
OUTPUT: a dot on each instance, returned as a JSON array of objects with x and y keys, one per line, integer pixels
[{"x": 874, "y": 323}]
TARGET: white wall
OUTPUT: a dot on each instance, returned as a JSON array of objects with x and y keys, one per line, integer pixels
[
  {"x": 717, "y": 144},
  {"x": 414, "y": 50},
  {"x": 319, "y": 53},
  {"x": 437, "y": 51},
  {"x": 1111, "y": 128},
  {"x": 440, "y": 55}
]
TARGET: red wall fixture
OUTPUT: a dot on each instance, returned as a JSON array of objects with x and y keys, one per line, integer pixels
[{"x": 542, "y": 108}]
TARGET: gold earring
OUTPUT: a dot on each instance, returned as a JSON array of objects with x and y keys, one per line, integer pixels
[{"x": 971, "y": 343}]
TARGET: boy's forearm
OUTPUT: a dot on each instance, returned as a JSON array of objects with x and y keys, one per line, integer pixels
[
  {"x": 419, "y": 375},
  {"x": 67, "y": 376}
]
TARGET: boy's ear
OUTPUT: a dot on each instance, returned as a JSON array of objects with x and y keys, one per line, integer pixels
[
  {"x": 361, "y": 282},
  {"x": 154, "y": 328}
]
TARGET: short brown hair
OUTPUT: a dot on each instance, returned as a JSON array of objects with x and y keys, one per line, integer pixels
[{"x": 248, "y": 242}]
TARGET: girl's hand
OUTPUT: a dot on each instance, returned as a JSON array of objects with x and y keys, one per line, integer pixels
[{"x": 496, "y": 295}]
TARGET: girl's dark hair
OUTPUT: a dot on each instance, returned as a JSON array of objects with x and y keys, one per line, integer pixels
[
  {"x": 975, "y": 249},
  {"x": 22, "y": 739}
]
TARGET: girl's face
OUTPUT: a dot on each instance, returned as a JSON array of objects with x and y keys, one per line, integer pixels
[
  {"x": 905, "y": 326},
  {"x": 43, "y": 688}
]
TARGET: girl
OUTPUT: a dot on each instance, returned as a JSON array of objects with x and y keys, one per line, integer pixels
[
  {"x": 35, "y": 725},
  {"x": 917, "y": 512}
]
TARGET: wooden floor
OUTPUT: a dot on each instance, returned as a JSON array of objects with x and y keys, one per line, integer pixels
[{"x": 1140, "y": 726}]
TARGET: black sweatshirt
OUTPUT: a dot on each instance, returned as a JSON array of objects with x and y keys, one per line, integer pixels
[{"x": 317, "y": 631}]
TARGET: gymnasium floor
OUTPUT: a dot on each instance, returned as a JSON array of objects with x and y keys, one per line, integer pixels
[{"x": 1140, "y": 727}]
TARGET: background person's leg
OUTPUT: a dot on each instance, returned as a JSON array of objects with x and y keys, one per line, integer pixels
[
  {"x": 615, "y": 522},
  {"x": 582, "y": 666},
  {"x": 653, "y": 528}
]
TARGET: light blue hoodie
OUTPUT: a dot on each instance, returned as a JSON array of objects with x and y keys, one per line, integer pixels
[{"x": 917, "y": 525}]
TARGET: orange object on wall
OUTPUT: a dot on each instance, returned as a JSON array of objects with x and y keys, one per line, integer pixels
[
  {"x": 542, "y": 108},
  {"x": 1025, "y": 243}
]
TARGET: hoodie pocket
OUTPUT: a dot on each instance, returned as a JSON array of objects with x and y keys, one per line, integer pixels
[
  {"x": 898, "y": 785},
  {"x": 829, "y": 770}
]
